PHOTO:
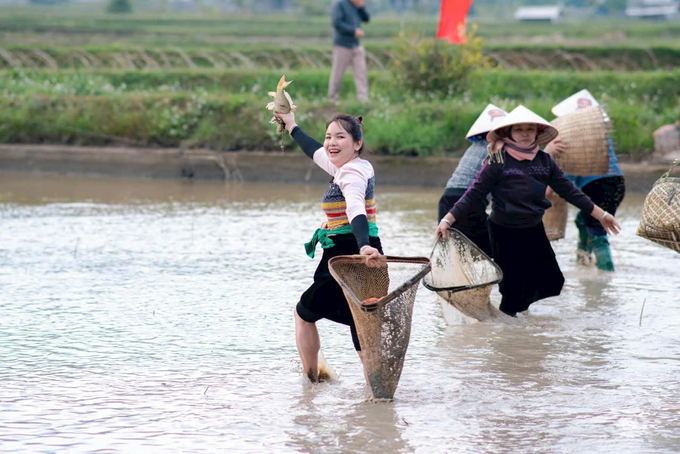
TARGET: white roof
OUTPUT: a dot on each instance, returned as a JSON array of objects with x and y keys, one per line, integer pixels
[
  {"x": 653, "y": 11},
  {"x": 538, "y": 12}
]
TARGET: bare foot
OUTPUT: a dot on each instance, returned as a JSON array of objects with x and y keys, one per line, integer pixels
[{"x": 313, "y": 375}]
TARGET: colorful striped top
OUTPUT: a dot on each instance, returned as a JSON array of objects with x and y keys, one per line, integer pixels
[{"x": 350, "y": 192}]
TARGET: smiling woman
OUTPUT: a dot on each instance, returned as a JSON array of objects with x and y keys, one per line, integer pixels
[{"x": 350, "y": 228}]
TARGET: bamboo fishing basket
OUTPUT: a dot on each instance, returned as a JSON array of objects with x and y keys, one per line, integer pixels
[
  {"x": 660, "y": 221},
  {"x": 586, "y": 135},
  {"x": 555, "y": 217}
]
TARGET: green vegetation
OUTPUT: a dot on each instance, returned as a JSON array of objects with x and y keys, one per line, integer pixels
[
  {"x": 81, "y": 77},
  {"x": 225, "y": 110},
  {"x": 119, "y": 6}
]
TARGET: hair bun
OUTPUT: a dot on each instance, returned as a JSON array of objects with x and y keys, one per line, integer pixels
[{"x": 360, "y": 119}]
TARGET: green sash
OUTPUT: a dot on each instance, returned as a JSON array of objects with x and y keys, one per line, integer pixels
[{"x": 323, "y": 236}]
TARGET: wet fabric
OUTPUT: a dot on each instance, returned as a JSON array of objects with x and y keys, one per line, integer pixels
[
  {"x": 607, "y": 193},
  {"x": 474, "y": 226},
  {"x": 324, "y": 298},
  {"x": 530, "y": 269}
]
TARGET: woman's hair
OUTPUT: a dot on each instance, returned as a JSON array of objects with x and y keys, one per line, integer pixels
[{"x": 353, "y": 125}]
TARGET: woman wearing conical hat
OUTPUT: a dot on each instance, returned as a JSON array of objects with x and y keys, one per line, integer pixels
[
  {"x": 606, "y": 191},
  {"x": 517, "y": 174},
  {"x": 474, "y": 227}
]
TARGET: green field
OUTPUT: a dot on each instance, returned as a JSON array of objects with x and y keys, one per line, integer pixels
[{"x": 69, "y": 76}]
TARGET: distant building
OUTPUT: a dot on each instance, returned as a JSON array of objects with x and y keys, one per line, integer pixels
[
  {"x": 653, "y": 9},
  {"x": 539, "y": 13}
]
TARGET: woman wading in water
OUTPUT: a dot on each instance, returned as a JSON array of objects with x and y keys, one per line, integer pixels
[
  {"x": 350, "y": 228},
  {"x": 475, "y": 226},
  {"x": 606, "y": 190},
  {"x": 517, "y": 174}
]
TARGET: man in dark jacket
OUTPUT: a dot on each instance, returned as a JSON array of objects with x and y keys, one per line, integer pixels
[{"x": 347, "y": 16}]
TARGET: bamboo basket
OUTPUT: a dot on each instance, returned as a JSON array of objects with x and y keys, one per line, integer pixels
[
  {"x": 660, "y": 221},
  {"x": 585, "y": 134},
  {"x": 555, "y": 217}
]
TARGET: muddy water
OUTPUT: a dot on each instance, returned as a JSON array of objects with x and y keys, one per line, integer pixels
[{"x": 157, "y": 316}]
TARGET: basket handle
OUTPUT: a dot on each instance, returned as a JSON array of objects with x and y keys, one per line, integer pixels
[{"x": 675, "y": 163}]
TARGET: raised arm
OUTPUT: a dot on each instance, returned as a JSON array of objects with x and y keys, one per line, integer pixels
[{"x": 308, "y": 144}]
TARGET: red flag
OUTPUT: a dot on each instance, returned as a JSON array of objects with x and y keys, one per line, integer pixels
[{"x": 452, "y": 20}]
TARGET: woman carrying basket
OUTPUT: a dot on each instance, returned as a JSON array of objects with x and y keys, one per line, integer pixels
[
  {"x": 517, "y": 174},
  {"x": 606, "y": 191},
  {"x": 475, "y": 226},
  {"x": 350, "y": 228}
]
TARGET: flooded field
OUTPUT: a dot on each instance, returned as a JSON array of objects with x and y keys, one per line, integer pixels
[{"x": 156, "y": 316}]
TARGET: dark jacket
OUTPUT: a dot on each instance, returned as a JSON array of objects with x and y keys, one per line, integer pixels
[
  {"x": 518, "y": 191},
  {"x": 346, "y": 18}
]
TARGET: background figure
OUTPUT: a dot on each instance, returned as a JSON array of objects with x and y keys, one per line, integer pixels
[
  {"x": 475, "y": 225},
  {"x": 606, "y": 191},
  {"x": 347, "y": 16}
]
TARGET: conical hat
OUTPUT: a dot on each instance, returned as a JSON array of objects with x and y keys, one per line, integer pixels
[
  {"x": 520, "y": 114},
  {"x": 571, "y": 104},
  {"x": 491, "y": 116}
]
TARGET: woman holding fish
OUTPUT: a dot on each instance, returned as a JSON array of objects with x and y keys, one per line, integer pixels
[{"x": 350, "y": 227}]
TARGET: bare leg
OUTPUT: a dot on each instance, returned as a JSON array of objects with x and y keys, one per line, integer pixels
[{"x": 308, "y": 345}]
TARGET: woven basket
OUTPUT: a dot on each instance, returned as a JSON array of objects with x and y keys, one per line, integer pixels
[
  {"x": 585, "y": 135},
  {"x": 555, "y": 217},
  {"x": 463, "y": 275},
  {"x": 383, "y": 327},
  {"x": 660, "y": 221}
]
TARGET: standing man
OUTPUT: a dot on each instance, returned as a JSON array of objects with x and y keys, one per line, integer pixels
[{"x": 347, "y": 16}]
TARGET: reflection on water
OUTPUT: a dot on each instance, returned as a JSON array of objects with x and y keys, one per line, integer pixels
[{"x": 158, "y": 315}]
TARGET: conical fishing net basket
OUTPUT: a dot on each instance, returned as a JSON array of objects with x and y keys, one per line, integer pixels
[
  {"x": 660, "y": 221},
  {"x": 383, "y": 326},
  {"x": 585, "y": 133},
  {"x": 463, "y": 275},
  {"x": 555, "y": 217}
]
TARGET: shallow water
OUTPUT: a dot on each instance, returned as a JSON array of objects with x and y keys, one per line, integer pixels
[{"x": 157, "y": 316}]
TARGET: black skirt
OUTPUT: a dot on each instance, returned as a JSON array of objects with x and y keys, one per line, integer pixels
[
  {"x": 530, "y": 269},
  {"x": 607, "y": 193},
  {"x": 324, "y": 298}
]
